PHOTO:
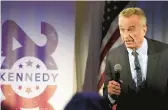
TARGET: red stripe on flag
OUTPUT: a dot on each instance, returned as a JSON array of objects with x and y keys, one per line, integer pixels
[
  {"x": 109, "y": 44},
  {"x": 101, "y": 81}
]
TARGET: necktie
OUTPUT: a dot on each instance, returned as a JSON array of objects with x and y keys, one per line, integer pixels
[{"x": 137, "y": 68}]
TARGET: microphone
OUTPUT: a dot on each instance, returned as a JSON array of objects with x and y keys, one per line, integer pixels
[{"x": 117, "y": 70}]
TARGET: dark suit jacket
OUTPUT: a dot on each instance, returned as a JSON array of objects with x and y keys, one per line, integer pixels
[{"x": 154, "y": 94}]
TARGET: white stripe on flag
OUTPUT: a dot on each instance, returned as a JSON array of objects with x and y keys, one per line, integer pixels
[{"x": 113, "y": 27}]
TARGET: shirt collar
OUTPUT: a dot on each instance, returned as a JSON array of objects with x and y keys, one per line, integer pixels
[{"x": 142, "y": 50}]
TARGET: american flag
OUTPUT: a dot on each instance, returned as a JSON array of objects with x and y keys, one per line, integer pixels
[{"x": 110, "y": 32}]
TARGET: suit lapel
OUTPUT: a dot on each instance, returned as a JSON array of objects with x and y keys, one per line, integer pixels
[
  {"x": 126, "y": 71},
  {"x": 151, "y": 66},
  {"x": 152, "y": 62}
]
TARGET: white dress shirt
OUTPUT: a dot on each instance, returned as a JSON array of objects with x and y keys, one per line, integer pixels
[{"x": 143, "y": 60}]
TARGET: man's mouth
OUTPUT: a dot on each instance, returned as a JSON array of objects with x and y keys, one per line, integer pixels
[{"x": 127, "y": 41}]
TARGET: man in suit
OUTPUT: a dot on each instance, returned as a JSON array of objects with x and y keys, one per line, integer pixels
[{"x": 143, "y": 81}]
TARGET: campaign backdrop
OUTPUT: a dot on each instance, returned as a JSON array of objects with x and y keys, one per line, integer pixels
[{"x": 37, "y": 54}]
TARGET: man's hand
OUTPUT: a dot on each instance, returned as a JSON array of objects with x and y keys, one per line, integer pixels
[{"x": 114, "y": 88}]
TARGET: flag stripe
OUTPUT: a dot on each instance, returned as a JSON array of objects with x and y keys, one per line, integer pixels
[
  {"x": 112, "y": 28},
  {"x": 110, "y": 31},
  {"x": 111, "y": 11},
  {"x": 112, "y": 40},
  {"x": 109, "y": 44}
]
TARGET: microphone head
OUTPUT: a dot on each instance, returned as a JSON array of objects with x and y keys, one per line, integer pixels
[{"x": 117, "y": 67}]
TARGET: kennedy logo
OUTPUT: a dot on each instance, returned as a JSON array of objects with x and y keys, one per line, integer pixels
[{"x": 28, "y": 72}]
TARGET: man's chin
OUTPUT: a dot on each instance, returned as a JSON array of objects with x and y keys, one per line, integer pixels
[{"x": 130, "y": 46}]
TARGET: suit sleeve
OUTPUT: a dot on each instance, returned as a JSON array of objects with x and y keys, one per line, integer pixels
[
  {"x": 108, "y": 77},
  {"x": 166, "y": 98}
]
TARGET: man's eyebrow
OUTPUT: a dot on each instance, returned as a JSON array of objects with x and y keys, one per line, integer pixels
[
  {"x": 131, "y": 26},
  {"x": 128, "y": 27},
  {"x": 120, "y": 26}
]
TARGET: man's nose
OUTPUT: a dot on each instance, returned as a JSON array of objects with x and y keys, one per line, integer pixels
[{"x": 126, "y": 35}]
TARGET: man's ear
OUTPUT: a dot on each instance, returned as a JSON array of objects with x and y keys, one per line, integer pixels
[{"x": 144, "y": 29}]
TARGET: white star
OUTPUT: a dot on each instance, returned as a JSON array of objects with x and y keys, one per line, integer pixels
[
  {"x": 115, "y": 7},
  {"x": 108, "y": 2},
  {"x": 108, "y": 9},
  {"x": 108, "y": 17}
]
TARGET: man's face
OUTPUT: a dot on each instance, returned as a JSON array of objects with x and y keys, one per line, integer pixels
[{"x": 132, "y": 31}]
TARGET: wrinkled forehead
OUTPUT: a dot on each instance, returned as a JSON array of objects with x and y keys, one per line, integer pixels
[{"x": 129, "y": 20}]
